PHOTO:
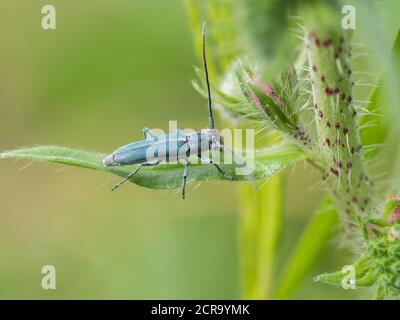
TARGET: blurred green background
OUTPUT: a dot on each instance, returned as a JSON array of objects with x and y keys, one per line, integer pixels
[{"x": 108, "y": 70}]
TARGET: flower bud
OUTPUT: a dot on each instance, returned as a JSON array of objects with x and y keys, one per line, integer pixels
[
  {"x": 273, "y": 107},
  {"x": 392, "y": 209},
  {"x": 394, "y": 216}
]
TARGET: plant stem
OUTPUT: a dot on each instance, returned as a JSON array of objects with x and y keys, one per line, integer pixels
[
  {"x": 329, "y": 56},
  {"x": 259, "y": 228}
]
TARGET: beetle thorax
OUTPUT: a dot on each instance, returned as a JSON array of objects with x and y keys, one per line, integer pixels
[{"x": 206, "y": 139}]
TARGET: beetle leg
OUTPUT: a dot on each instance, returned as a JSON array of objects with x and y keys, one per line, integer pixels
[
  {"x": 218, "y": 167},
  {"x": 185, "y": 175},
  {"x": 222, "y": 172},
  {"x": 144, "y": 164}
]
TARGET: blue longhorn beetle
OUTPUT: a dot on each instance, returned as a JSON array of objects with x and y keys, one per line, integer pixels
[{"x": 176, "y": 145}]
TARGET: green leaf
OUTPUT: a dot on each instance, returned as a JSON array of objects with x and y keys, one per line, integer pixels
[
  {"x": 260, "y": 226},
  {"x": 268, "y": 162},
  {"x": 247, "y": 240},
  {"x": 381, "y": 117},
  {"x": 270, "y": 213},
  {"x": 222, "y": 34},
  {"x": 365, "y": 276},
  {"x": 267, "y": 31},
  {"x": 308, "y": 249}
]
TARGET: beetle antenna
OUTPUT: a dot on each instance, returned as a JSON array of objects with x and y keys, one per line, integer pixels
[{"x": 210, "y": 115}]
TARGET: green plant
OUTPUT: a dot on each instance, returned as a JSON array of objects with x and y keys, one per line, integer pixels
[
  {"x": 322, "y": 81},
  {"x": 254, "y": 86}
]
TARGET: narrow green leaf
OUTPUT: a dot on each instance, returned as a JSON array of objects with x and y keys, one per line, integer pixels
[
  {"x": 270, "y": 213},
  {"x": 379, "y": 128},
  {"x": 365, "y": 276},
  {"x": 247, "y": 240},
  {"x": 308, "y": 249},
  {"x": 380, "y": 106},
  {"x": 259, "y": 230},
  {"x": 332, "y": 278},
  {"x": 222, "y": 35},
  {"x": 268, "y": 162}
]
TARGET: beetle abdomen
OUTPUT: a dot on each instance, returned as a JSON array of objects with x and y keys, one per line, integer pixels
[
  {"x": 131, "y": 153},
  {"x": 166, "y": 148}
]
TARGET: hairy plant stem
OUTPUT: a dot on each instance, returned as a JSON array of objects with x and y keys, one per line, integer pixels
[{"x": 329, "y": 58}]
